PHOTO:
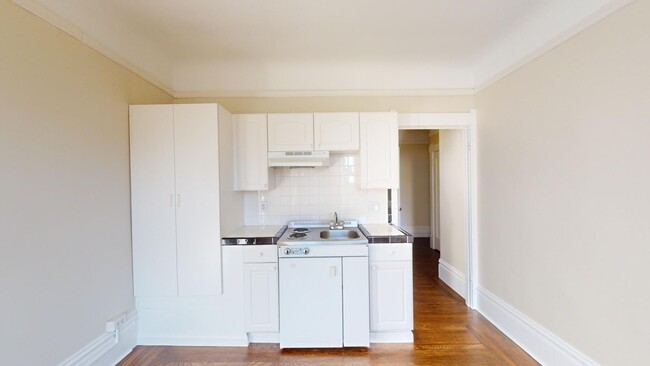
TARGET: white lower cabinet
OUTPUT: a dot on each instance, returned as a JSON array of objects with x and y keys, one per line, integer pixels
[
  {"x": 324, "y": 302},
  {"x": 261, "y": 302},
  {"x": 391, "y": 292},
  {"x": 355, "y": 302},
  {"x": 261, "y": 297},
  {"x": 312, "y": 303}
]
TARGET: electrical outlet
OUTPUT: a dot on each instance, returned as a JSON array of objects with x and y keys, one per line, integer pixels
[
  {"x": 373, "y": 206},
  {"x": 263, "y": 207}
]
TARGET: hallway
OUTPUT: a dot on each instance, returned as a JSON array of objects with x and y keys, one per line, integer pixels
[{"x": 446, "y": 333}]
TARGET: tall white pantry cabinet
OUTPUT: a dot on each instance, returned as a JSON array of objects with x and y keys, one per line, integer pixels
[{"x": 175, "y": 200}]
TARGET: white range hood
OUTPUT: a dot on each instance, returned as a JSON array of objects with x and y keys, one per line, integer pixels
[{"x": 299, "y": 159}]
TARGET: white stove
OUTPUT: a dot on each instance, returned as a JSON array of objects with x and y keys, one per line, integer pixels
[
  {"x": 307, "y": 233},
  {"x": 324, "y": 296}
]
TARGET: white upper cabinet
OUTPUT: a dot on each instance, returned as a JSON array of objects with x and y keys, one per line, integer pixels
[
  {"x": 336, "y": 131},
  {"x": 379, "y": 150},
  {"x": 291, "y": 132},
  {"x": 250, "y": 152},
  {"x": 175, "y": 200}
]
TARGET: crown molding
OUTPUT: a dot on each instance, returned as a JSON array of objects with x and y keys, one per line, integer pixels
[
  {"x": 607, "y": 10},
  {"x": 508, "y": 67},
  {"x": 322, "y": 93},
  {"x": 74, "y": 31}
]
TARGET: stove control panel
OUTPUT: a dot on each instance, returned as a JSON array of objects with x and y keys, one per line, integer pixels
[{"x": 296, "y": 251}]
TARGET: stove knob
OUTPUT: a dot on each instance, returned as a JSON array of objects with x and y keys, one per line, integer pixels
[
  {"x": 305, "y": 251},
  {"x": 287, "y": 251}
]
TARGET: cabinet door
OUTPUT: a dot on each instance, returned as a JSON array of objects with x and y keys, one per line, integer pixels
[
  {"x": 261, "y": 306},
  {"x": 152, "y": 200},
  {"x": 291, "y": 131},
  {"x": 250, "y": 152},
  {"x": 311, "y": 303},
  {"x": 336, "y": 131},
  {"x": 379, "y": 150},
  {"x": 198, "y": 245},
  {"x": 356, "y": 328},
  {"x": 391, "y": 296}
]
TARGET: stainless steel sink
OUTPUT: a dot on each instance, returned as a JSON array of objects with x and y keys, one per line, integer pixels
[{"x": 339, "y": 234}]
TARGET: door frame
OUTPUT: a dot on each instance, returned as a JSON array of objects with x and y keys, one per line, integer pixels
[
  {"x": 434, "y": 192},
  {"x": 467, "y": 122}
]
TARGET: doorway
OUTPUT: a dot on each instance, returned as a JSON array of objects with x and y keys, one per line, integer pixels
[{"x": 459, "y": 135}]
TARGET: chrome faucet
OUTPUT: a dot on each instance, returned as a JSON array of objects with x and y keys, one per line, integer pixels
[{"x": 336, "y": 224}]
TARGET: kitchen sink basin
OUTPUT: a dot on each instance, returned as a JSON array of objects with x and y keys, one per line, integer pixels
[{"x": 339, "y": 234}]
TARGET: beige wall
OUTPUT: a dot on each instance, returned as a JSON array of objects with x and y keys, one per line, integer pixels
[
  {"x": 341, "y": 104},
  {"x": 65, "y": 262},
  {"x": 231, "y": 202},
  {"x": 414, "y": 187},
  {"x": 564, "y": 189},
  {"x": 453, "y": 230}
]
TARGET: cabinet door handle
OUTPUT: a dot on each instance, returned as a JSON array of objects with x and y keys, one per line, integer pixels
[
  {"x": 333, "y": 271},
  {"x": 274, "y": 268},
  {"x": 178, "y": 200}
]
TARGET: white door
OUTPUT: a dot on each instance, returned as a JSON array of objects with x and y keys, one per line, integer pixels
[
  {"x": 311, "y": 303},
  {"x": 291, "y": 132},
  {"x": 250, "y": 150},
  {"x": 198, "y": 245},
  {"x": 336, "y": 131},
  {"x": 261, "y": 297},
  {"x": 153, "y": 200},
  {"x": 391, "y": 296}
]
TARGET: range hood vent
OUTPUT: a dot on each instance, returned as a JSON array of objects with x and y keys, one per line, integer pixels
[{"x": 299, "y": 159}]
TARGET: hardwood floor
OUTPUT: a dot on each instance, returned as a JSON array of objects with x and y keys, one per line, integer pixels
[{"x": 446, "y": 333}]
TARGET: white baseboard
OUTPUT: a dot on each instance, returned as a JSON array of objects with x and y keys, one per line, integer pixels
[
  {"x": 453, "y": 278},
  {"x": 436, "y": 244},
  {"x": 109, "y": 348},
  {"x": 264, "y": 337},
  {"x": 540, "y": 343},
  {"x": 194, "y": 341},
  {"x": 404, "y": 336}
]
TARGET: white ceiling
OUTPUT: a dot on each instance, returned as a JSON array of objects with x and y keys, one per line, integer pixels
[{"x": 312, "y": 47}]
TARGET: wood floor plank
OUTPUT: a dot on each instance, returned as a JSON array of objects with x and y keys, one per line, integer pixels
[{"x": 446, "y": 333}]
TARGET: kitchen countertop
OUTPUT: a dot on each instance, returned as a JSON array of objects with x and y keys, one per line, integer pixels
[
  {"x": 385, "y": 233},
  {"x": 256, "y": 234}
]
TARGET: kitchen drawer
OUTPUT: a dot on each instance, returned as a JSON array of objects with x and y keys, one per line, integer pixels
[
  {"x": 390, "y": 252},
  {"x": 261, "y": 254}
]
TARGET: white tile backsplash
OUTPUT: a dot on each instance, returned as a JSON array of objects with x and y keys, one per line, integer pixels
[{"x": 315, "y": 193}]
